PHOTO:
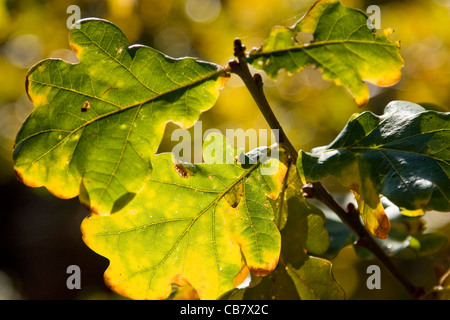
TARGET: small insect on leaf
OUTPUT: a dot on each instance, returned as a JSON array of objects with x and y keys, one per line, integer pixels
[{"x": 85, "y": 106}]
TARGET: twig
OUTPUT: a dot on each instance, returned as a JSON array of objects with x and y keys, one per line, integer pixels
[
  {"x": 351, "y": 217},
  {"x": 255, "y": 86}
]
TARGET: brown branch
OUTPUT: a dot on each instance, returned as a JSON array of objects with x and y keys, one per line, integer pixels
[
  {"x": 255, "y": 86},
  {"x": 351, "y": 218}
]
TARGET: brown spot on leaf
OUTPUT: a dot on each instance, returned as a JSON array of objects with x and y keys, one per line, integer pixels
[
  {"x": 22, "y": 179},
  {"x": 181, "y": 170},
  {"x": 382, "y": 230},
  {"x": 262, "y": 272},
  {"x": 27, "y": 88},
  {"x": 180, "y": 280},
  {"x": 75, "y": 48},
  {"x": 18, "y": 176},
  {"x": 86, "y": 106},
  {"x": 109, "y": 88},
  {"x": 234, "y": 196}
]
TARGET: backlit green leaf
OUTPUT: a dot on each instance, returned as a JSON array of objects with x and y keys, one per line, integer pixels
[
  {"x": 403, "y": 154},
  {"x": 314, "y": 280},
  {"x": 298, "y": 275},
  {"x": 192, "y": 224},
  {"x": 311, "y": 280},
  {"x": 97, "y": 123},
  {"x": 304, "y": 230},
  {"x": 343, "y": 48}
]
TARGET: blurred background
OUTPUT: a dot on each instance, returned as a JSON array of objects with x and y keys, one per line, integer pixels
[{"x": 39, "y": 234}]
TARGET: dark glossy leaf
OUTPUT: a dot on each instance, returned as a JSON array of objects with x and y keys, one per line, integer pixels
[{"x": 403, "y": 154}]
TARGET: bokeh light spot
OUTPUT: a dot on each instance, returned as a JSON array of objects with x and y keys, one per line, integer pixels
[
  {"x": 173, "y": 42},
  {"x": 24, "y": 50},
  {"x": 203, "y": 10}
]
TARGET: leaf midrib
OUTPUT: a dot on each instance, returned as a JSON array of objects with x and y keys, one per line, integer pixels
[
  {"x": 321, "y": 43},
  {"x": 354, "y": 145},
  {"x": 376, "y": 148}
]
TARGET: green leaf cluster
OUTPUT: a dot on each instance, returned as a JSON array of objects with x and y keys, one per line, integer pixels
[{"x": 97, "y": 125}]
